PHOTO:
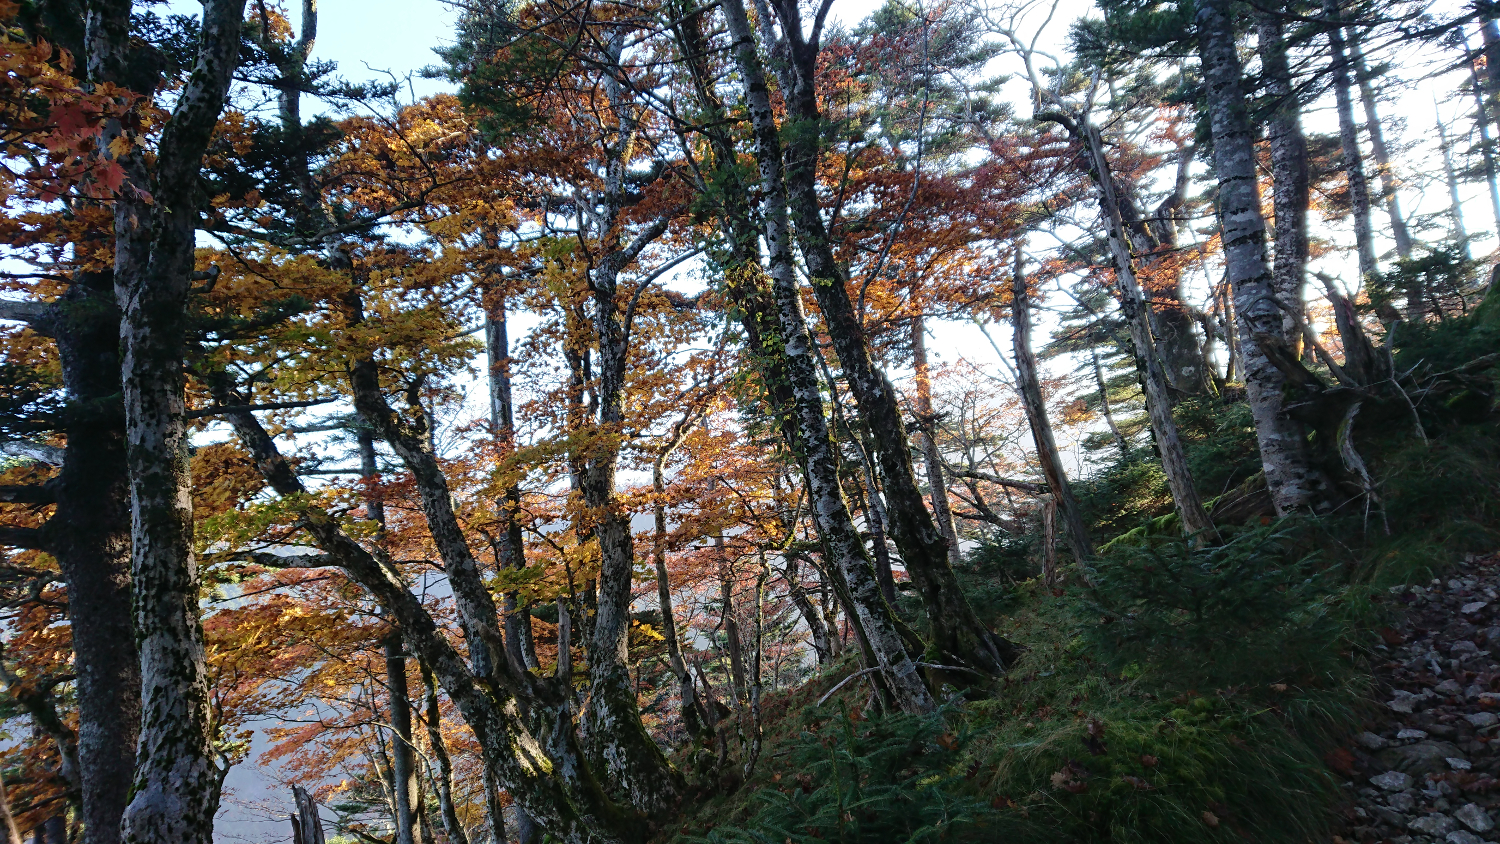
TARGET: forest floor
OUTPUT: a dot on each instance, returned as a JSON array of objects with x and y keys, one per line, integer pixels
[{"x": 1427, "y": 766}]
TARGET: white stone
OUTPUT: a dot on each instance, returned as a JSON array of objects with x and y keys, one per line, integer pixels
[
  {"x": 1458, "y": 764},
  {"x": 1475, "y": 817},
  {"x": 1408, "y": 733},
  {"x": 1433, "y": 824},
  {"x": 1392, "y": 781},
  {"x": 1481, "y": 719},
  {"x": 1473, "y": 607}
]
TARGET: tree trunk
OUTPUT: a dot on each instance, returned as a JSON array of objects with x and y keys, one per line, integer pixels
[
  {"x": 1174, "y": 463},
  {"x": 177, "y": 782},
  {"x": 444, "y": 774},
  {"x": 1289, "y": 174},
  {"x": 820, "y": 463},
  {"x": 1293, "y": 482},
  {"x": 812, "y": 616},
  {"x": 545, "y": 775},
  {"x": 955, "y": 630},
  {"x": 89, "y": 535},
  {"x": 520, "y": 644},
  {"x": 1389, "y": 184},
  {"x": 307, "y": 825},
  {"x": 403, "y": 760},
  {"x": 1486, "y": 146},
  {"x": 1109, "y": 416},
  {"x": 694, "y": 720},
  {"x": 937, "y": 485},
  {"x": 1354, "y": 165},
  {"x": 1029, "y": 386},
  {"x": 7, "y": 819},
  {"x": 1455, "y": 203},
  {"x": 729, "y": 619}
]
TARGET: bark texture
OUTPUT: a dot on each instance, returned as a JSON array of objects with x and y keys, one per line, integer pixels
[
  {"x": 1289, "y": 173},
  {"x": 830, "y": 511},
  {"x": 1294, "y": 483},
  {"x": 177, "y": 780},
  {"x": 1029, "y": 385}
]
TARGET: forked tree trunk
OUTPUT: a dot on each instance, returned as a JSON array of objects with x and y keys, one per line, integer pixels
[
  {"x": 1289, "y": 173},
  {"x": 820, "y": 463},
  {"x": 694, "y": 720},
  {"x": 1295, "y": 485},
  {"x": 177, "y": 780}
]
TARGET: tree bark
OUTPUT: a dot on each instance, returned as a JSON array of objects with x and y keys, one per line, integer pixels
[
  {"x": 444, "y": 773},
  {"x": 694, "y": 720},
  {"x": 1389, "y": 184},
  {"x": 955, "y": 630},
  {"x": 1289, "y": 174},
  {"x": 1482, "y": 120},
  {"x": 1174, "y": 463},
  {"x": 1294, "y": 483},
  {"x": 937, "y": 485},
  {"x": 307, "y": 825},
  {"x": 89, "y": 535},
  {"x": 1029, "y": 386},
  {"x": 403, "y": 760},
  {"x": 1455, "y": 203},
  {"x": 520, "y": 644},
  {"x": 177, "y": 782},
  {"x": 1354, "y": 165},
  {"x": 820, "y": 463}
]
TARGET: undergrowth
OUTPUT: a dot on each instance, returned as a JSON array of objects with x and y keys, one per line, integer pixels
[{"x": 1172, "y": 690}]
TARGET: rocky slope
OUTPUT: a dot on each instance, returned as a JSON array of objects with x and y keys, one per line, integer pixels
[{"x": 1427, "y": 769}]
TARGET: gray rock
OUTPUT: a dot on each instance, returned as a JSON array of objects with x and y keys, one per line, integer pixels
[
  {"x": 1402, "y": 801},
  {"x": 1463, "y": 646},
  {"x": 1403, "y": 701},
  {"x": 1392, "y": 781},
  {"x": 1481, "y": 720},
  {"x": 1458, "y": 764},
  {"x": 1424, "y": 757},
  {"x": 1410, "y": 733},
  {"x": 1370, "y": 741},
  {"x": 1449, "y": 687},
  {"x": 1463, "y": 836},
  {"x": 1473, "y": 816},
  {"x": 1473, "y": 607},
  {"x": 1433, "y": 825}
]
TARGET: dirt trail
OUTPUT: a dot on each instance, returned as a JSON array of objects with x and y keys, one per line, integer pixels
[{"x": 1428, "y": 767}]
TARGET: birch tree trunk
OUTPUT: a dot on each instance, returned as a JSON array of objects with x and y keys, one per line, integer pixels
[
  {"x": 1295, "y": 485},
  {"x": 1029, "y": 386},
  {"x": 1354, "y": 165},
  {"x": 1482, "y": 117},
  {"x": 830, "y": 511},
  {"x": 177, "y": 782},
  {"x": 1289, "y": 174}
]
